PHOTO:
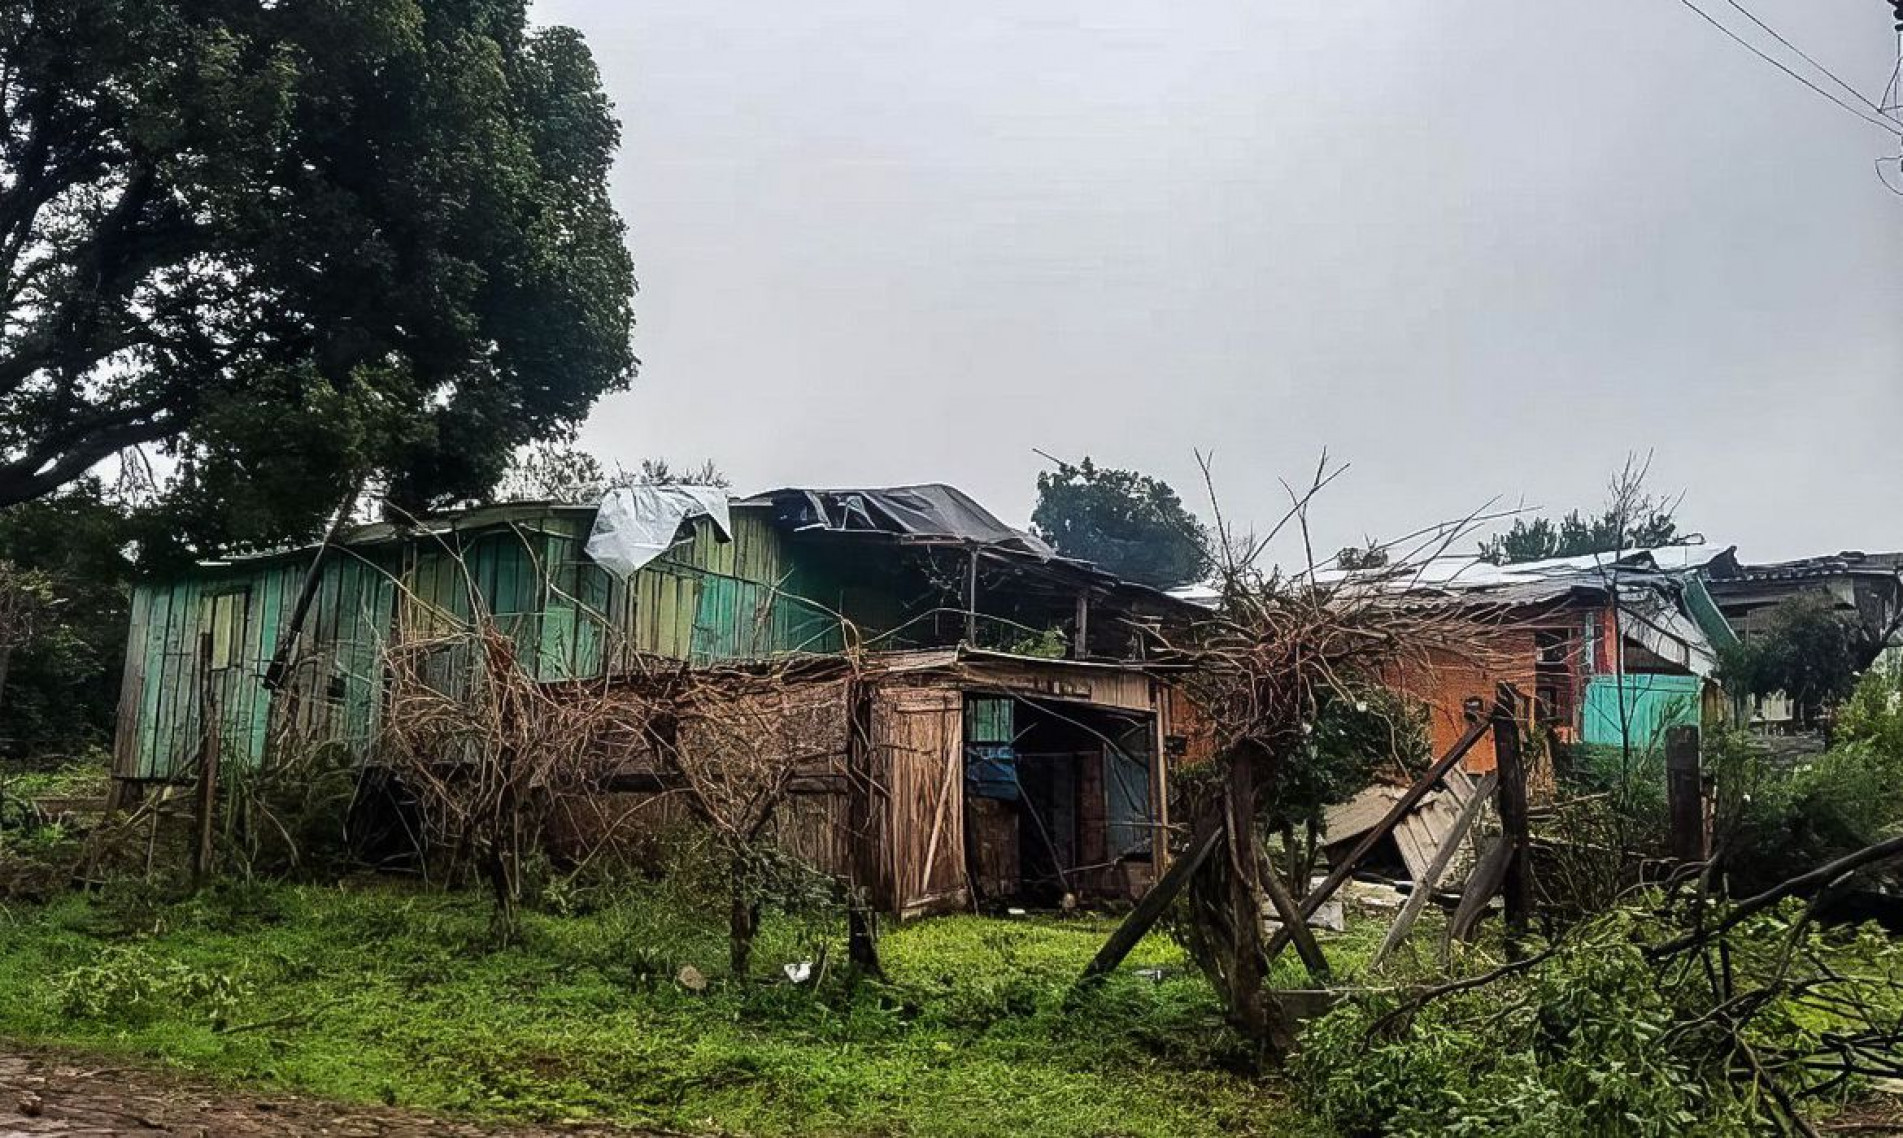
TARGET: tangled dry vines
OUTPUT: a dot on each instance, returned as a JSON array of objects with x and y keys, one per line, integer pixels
[{"x": 489, "y": 754}]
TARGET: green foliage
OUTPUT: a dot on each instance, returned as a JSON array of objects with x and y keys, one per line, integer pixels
[
  {"x": 1596, "y": 1039},
  {"x": 300, "y": 243},
  {"x": 1806, "y": 649},
  {"x": 1127, "y": 523},
  {"x": 376, "y": 992},
  {"x": 62, "y": 685},
  {"x": 1576, "y": 535},
  {"x": 1354, "y": 738},
  {"x": 1048, "y": 644},
  {"x": 1775, "y": 821},
  {"x": 128, "y": 985}
]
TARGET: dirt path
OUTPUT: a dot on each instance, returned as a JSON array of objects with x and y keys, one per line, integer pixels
[{"x": 65, "y": 1095}]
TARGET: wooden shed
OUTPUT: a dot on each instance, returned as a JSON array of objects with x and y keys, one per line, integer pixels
[{"x": 960, "y": 778}]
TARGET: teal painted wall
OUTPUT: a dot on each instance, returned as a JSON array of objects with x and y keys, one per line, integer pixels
[
  {"x": 1652, "y": 704},
  {"x": 704, "y": 601}
]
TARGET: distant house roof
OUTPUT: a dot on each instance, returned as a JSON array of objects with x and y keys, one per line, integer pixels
[
  {"x": 1659, "y": 590},
  {"x": 1850, "y": 562}
]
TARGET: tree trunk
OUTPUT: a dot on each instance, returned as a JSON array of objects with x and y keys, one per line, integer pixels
[
  {"x": 1248, "y": 1002},
  {"x": 743, "y": 920},
  {"x": 505, "y": 921}
]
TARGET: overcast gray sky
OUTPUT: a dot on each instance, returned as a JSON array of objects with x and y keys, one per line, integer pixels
[{"x": 1473, "y": 247}]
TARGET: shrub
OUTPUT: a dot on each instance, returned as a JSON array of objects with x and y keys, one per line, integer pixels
[
  {"x": 1775, "y": 821},
  {"x": 129, "y": 985}
]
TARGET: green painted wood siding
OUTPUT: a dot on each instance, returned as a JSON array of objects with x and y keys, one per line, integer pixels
[
  {"x": 1651, "y": 704},
  {"x": 705, "y": 600}
]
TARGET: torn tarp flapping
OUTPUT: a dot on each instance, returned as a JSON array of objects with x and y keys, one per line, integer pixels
[{"x": 636, "y": 524}]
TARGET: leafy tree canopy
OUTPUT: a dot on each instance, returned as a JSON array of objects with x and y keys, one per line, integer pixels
[
  {"x": 553, "y": 472},
  {"x": 62, "y": 681},
  {"x": 1575, "y": 535},
  {"x": 1129, "y": 524},
  {"x": 1806, "y": 649},
  {"x": 1632, "y": 518},
  {"x": 297, "y": 244}
]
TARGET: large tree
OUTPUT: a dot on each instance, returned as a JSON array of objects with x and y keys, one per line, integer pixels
[
  {"x": 61, "y": 686},
  {"x": 298, "y": 243},
  {"x": 1128, "y": 523}
]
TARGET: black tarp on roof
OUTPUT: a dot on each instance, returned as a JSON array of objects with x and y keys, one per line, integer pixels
[{"x": 932, "y": 510}]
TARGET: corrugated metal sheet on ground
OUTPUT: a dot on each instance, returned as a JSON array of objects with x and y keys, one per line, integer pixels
[{"x": 1419, "y": 834}]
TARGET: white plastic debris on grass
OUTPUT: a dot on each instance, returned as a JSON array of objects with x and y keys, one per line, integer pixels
[
  {"x": 636, "y": 524},
  {"x": 799, "y": 971}
]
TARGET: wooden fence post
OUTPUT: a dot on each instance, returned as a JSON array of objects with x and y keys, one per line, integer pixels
[
  {"x": 1685, "y": 793},
  {"x": 1514, "y": 829}
]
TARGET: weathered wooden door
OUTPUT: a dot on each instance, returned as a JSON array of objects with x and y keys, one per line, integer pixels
[{"x": 917, "y": 734}]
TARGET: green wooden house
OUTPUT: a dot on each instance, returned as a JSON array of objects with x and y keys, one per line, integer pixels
[{"x": 802, "y": 572}]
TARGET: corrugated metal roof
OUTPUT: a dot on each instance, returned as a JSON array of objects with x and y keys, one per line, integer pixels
[{"x": 1847, "y": 563}]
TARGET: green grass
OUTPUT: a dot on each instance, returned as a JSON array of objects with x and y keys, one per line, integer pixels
[
  {"x": 86, "y": 777},
  {"x": 377, "y": 992}
]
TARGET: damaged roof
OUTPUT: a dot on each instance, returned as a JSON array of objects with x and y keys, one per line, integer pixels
[
  {"x": 929, "y": 510},
  {"x": 1850, "y": 562}
]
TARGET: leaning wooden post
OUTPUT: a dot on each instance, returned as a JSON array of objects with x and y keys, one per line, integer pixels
[
  {"x": 1337, "y": 874},
  {"x": 1515, "y": 832},
  {"x": 1289, "y": 912},
  {"x": 207, "y": 763},
  {"x": 1430, "y": 881},
  {"x": 1156, "y": 902},
  {"x": 1686, "y": 795},
  {"x": 279, "y": 669}
]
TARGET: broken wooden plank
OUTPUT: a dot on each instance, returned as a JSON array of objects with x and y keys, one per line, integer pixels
[
  {"x": 1155, "y": 902},
  {"x": 1481, "y": 886},
  {"x": 1425, "y": 885},
  {"x": 1340, "y": 873},
  {"x": 1290, "y": 915}
]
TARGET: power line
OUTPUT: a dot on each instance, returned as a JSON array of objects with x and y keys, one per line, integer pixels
[
  {"x": 1801, "y": 54},
  {"x": 1885, "y": 124}
]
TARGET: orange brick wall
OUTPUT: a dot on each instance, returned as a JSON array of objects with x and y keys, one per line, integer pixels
[{"x": 1448, "y": 681}]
